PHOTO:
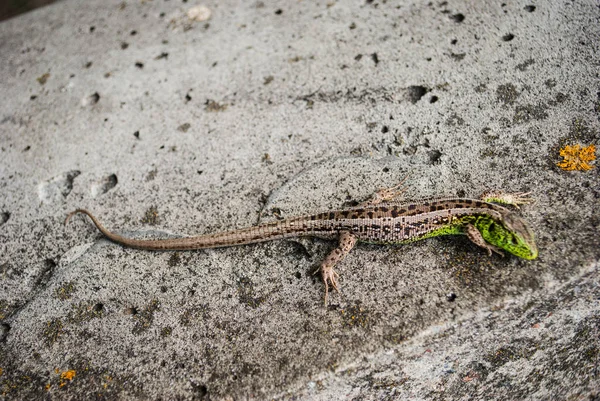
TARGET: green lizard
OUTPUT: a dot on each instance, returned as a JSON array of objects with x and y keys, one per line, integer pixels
[{"x": 381, "y": 220}]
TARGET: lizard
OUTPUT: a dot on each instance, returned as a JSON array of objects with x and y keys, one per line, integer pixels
[{"x": 383, "y": 219}]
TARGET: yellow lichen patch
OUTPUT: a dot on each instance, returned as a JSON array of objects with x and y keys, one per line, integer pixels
[
  {"x": 577, "y": 157},
  {"x": 66, "y": 375}
]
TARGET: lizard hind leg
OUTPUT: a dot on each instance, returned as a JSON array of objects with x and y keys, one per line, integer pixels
[
  {"x": 387, "y": 194},
  {"x": 346, "y": 242}
]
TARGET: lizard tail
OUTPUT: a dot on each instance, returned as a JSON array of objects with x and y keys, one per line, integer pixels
[
  {"x": 110, "y": 235},
  {"x": 264, "y": 232}
]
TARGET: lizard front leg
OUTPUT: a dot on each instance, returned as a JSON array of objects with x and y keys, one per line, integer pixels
[
  {"x": 475, "y": 236},
  {"x": 514, "y": 199},
  {"x": 346, "y": 242}
]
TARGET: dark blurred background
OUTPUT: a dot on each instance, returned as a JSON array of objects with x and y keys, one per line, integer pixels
[{"x": 10, "y": 8}]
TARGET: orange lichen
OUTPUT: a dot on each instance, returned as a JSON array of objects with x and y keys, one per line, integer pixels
[
  {"x": 577, "y": 157},
  {"x": 66, "y": 375}
]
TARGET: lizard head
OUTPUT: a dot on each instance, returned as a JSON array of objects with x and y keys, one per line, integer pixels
[{"x": 512, "y": 234}]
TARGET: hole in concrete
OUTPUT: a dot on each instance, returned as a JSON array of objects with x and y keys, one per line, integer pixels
[
  {"x": 458, "y": 17},
  {"x": 4, "y": 329},
  {"x": 375, "y": 58},
  {"x": 104, "y": 185},
  {"x": 508, "y": 37},
  {"x": 4, "y": 216},
  {"x": 94, "y": 98},
  {"x": 434, "y": 156},
  {"x": 416, "y": 92}
]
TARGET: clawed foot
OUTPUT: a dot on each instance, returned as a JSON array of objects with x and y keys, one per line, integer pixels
[
  {"x": 492, "y": 248},
  {"x": 515, "y": 199},
  {"x": 329, "y": 277}
]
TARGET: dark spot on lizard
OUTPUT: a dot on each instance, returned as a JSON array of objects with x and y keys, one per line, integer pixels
[
  {"x": 376, "y": 227},
  {"x": 478, "y": 204},
  {"x": 331, "y": 215},
  {"x": 383, "y": 209},
  {"x": 433, "y": 208},
  {"x": 468, "y": 201},
  {"x": 354, "y": 216},
  {"x": 370, "y": 214},
  {"x": 345, "y": 213},
  {"x": 412, "y": 207},
  {"x": 395, "y": 212}
]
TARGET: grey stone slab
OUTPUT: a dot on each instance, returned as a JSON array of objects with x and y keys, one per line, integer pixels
[{"x": 164, "y": 127}]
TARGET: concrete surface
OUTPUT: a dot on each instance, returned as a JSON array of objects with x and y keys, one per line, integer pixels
[{"x": 165, "y": 126}]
